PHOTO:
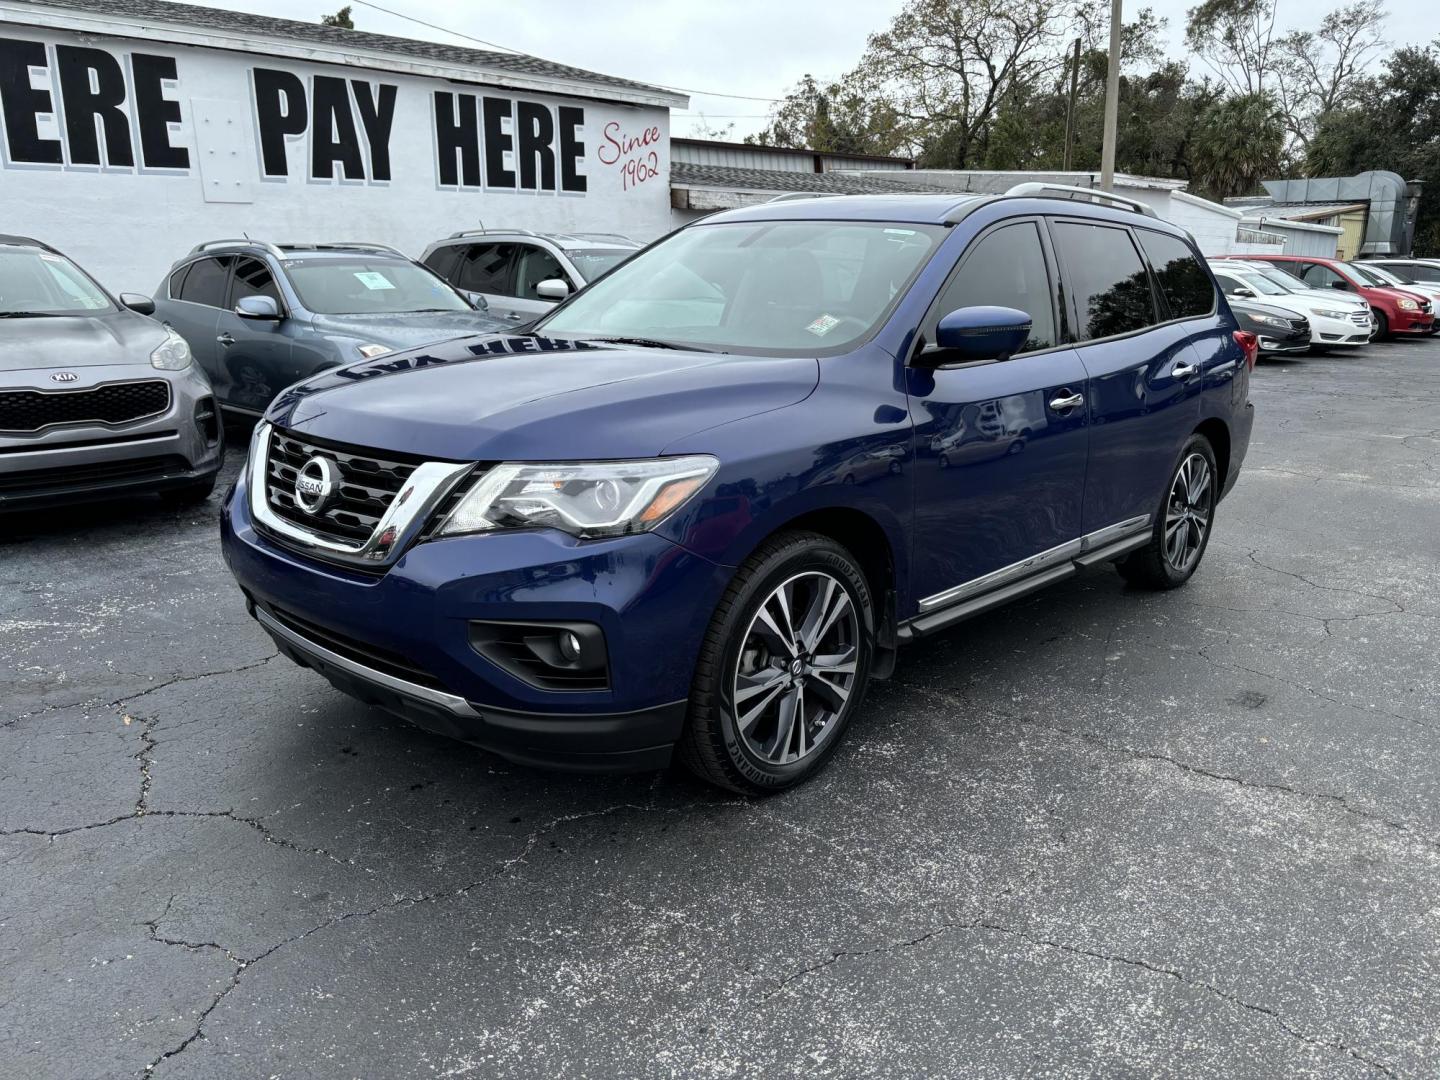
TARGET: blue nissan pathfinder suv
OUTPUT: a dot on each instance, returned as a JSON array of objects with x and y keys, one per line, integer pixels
[{"x": 700, "y": 504}]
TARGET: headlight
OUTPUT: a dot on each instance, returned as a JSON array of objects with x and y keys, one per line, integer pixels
[
  {"x": 1342, "y": 315},
  {"x": 369, "y": 352},
  {"x": 1406, "y": 304},
  {"x": 173, "y": 354},
  {"x": 607, "y": 498},
  {"x": 1271, "y": 320}
]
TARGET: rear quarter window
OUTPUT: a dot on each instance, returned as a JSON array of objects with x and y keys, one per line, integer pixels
[
  {"x": 1106, "y": 278},
  {"x": 1182, "y": 280}
]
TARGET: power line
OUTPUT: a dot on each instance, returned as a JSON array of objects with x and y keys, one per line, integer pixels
[{"x": 521, "y": 52}]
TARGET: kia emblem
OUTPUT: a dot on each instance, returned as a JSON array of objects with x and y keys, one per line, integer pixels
[{"x": 65, "y": 376}]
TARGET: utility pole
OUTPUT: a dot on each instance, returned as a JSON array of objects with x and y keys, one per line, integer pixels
[
  {"x": 1112, "y": 102},
  {"x": 1070, "y": 109}
]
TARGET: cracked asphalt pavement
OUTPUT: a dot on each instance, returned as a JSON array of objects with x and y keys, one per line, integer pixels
[{"x": 1097, "y": 833}]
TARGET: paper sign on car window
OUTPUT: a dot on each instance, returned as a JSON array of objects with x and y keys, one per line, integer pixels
[
  {"x": 823, "y": 325},
  {"x": 372, "y": 279}
]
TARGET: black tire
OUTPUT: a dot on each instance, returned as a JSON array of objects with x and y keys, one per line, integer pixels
[
  {"x": 1154, "y": 566},
  {"x": 190, "y": 494},
  {"x": 713, "y": 746},
  {"x": 1382, "y": 326}
]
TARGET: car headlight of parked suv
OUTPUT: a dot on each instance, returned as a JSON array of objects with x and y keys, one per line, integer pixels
[
  {"x": 587, "y": 500},
  {"x": 172, "y": 354},
  {"x": 1406, "y": 304}
]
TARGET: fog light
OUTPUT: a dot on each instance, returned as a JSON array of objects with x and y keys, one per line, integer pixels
[{"x": 569, "y": 645}]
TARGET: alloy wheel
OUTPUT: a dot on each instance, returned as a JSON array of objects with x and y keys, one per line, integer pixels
[
  {"x": 796, "y": 668},
  {"x": 1187, "y": 513}
]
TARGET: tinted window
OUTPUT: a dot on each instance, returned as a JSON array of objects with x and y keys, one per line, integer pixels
[
  {"x": 1106, "y": 278},
  {"x": 534, "y": 266},
  {"x": 444, "y": 260},
  {"x": 205, "y": 283},
  {"x": 1322, "y": 277},
  {"x": 1421, "y": 272},
  {"x": 253, "y": 278},
  {"x": 1183, "y": 281},
  {"x": 177, "y": 280},
  {"x": 1006, "y": 268},
  {"x": 485, "y": 268}
]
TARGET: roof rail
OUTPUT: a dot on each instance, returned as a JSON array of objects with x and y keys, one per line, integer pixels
[
  {"x": 483, "y": 231},
  {"x": 344, "y": 245},
  {"x": 792, "y": 196},
  {"x": 1065, "y": 191},
  {"x": 605, "y": 236},
  {"x": 238, "y": 242}
]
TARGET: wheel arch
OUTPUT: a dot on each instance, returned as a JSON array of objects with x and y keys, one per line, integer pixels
[{"x": 1217, "y": 433}]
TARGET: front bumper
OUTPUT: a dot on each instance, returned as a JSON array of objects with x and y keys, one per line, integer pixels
[
  {"x": 1340, "y": 333},
  {"x": 401, "y": 640},
  {"x": 1411, "y": 322},
  {"x": 82, "y": 462}
]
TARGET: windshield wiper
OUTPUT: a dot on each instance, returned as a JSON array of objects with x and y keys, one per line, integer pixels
[
  {"x": 644, "y": 342},
  {"x": 28, "y": 315}
]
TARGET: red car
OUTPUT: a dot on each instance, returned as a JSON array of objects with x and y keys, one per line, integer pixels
[{"x": 1397, "y": 311}]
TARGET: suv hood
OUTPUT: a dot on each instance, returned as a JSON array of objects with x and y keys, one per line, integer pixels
[
  {"x": 536, "y": 399},
  {"x": 408, "y": 329},
  {"x": 78, "y": 341}
]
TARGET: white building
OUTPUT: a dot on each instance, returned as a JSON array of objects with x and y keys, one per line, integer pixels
[{"x": 131, "y": 130}]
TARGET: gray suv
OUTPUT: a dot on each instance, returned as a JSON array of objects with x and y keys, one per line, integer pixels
[
  {"x": 96, "y": 399},
  {"x": 523, "y": 274},
  {"x": 261, "y": 316}
]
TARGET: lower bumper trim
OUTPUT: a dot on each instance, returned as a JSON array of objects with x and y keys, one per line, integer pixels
[{"x": 578, "y": 742}]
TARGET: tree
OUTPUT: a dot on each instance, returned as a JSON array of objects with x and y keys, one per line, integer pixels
[
  {"x": 700, "y": 128},
  {"x": 1392, "y": 126},
  {"x": 341, "y": 19},
  {"x": 1320, "y": 72},
  {"x": 1239, "y": 141},
  {"x": 945, "y": 67},
  {"x": 1236, "y": 39},
  {"x": 838, "y": 118}
]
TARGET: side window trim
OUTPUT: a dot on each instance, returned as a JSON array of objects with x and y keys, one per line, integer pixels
[
  {"x": 1057, "y": 313},
  {"x": 1076, "y": 341}
]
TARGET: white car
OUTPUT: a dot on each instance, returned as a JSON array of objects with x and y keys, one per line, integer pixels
[{"x": 1336, "y": 321}]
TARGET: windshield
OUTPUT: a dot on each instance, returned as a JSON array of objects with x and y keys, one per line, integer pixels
[
  {"x": 1286, "y": 280},
  {"x": 1261, "y": 284},
  {"x": 594, "y": 262},
  {"x": 370, "y": 286},
  {"x": 761, "y": 287},
  {"x": 1382, "y": 275},
  {"x": 42, "y": 283}
]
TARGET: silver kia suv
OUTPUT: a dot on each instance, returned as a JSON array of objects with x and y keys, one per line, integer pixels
[{"x": 97, "y": 400}]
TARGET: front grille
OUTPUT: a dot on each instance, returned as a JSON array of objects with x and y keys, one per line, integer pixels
[
  {"x": 369, "y": 482},
  {"x": 37, "y": 481},
  {"x": 361, "y": 652},
  {"x": 1300, "y": 325},
  {"x": 1360, "y": 318},
  {"x": 114, "y": 403}
]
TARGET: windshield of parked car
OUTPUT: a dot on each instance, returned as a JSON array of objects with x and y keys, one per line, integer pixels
[
  {"x": 1286, "y": 280},
  {"x": 756, "y": 287},
  {"x": 369, "y": 286},
  {"x": 592, "y": 262},
  {"x": 1261, "y": 284},
  {"x": 39, "y": 283},
  {"x": 1380, "y": 275}
]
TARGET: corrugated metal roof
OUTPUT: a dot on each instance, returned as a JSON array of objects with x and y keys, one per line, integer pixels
[
  {"x": 241, "y": 22},
  {"x": 688, "y": 174}
]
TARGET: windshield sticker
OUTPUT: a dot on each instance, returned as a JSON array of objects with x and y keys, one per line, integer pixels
[
  {"x": 373, "y": 279},
  {"x": 899, "y": 232},
  {"x": 823, "y": 325}
]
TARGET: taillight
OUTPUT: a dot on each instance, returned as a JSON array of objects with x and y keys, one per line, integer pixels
[{"x": 1251, "y": 344}]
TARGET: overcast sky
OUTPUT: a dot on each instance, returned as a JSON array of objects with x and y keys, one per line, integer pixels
[{"x": 751, "y": 47}]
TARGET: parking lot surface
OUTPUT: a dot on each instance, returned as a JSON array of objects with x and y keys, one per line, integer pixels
[{"x": 1097, "y": 833}]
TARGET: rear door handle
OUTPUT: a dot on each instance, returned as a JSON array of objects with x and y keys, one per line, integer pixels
[
  {"x": 225, "y": 339},
  {"x": 1184, "y": 371},
  {"x": 1065, "y": 404}
]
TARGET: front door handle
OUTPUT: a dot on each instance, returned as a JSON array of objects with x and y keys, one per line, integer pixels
[
  {"x": 1065, "y": 404},
  {"x": 226, "y": 340},
  {"x": 1184, "y": 371}
]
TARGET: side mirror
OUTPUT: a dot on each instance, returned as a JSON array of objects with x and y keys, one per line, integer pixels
[
  {"x": 1339, "y": 284},
  {"x": 138, "y": 303},
  {"x": 971, "y": 334},
  {"x": 476, "y": 300},
  {"x": 552, "y": 289},
  {"x": 257, "y": 307},
  {"x": 1243, "y": 293}
]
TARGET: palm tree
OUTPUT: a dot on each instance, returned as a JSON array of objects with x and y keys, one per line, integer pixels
[{"x": 1238, "y": 141}]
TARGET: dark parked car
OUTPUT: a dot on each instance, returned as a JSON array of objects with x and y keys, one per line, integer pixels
[
  {"x": 96, "y": 400},
  {"x": 1279, "y": 330},
  {"x": 629, "y": 531},
  {"x": 261, "y": 316}
]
